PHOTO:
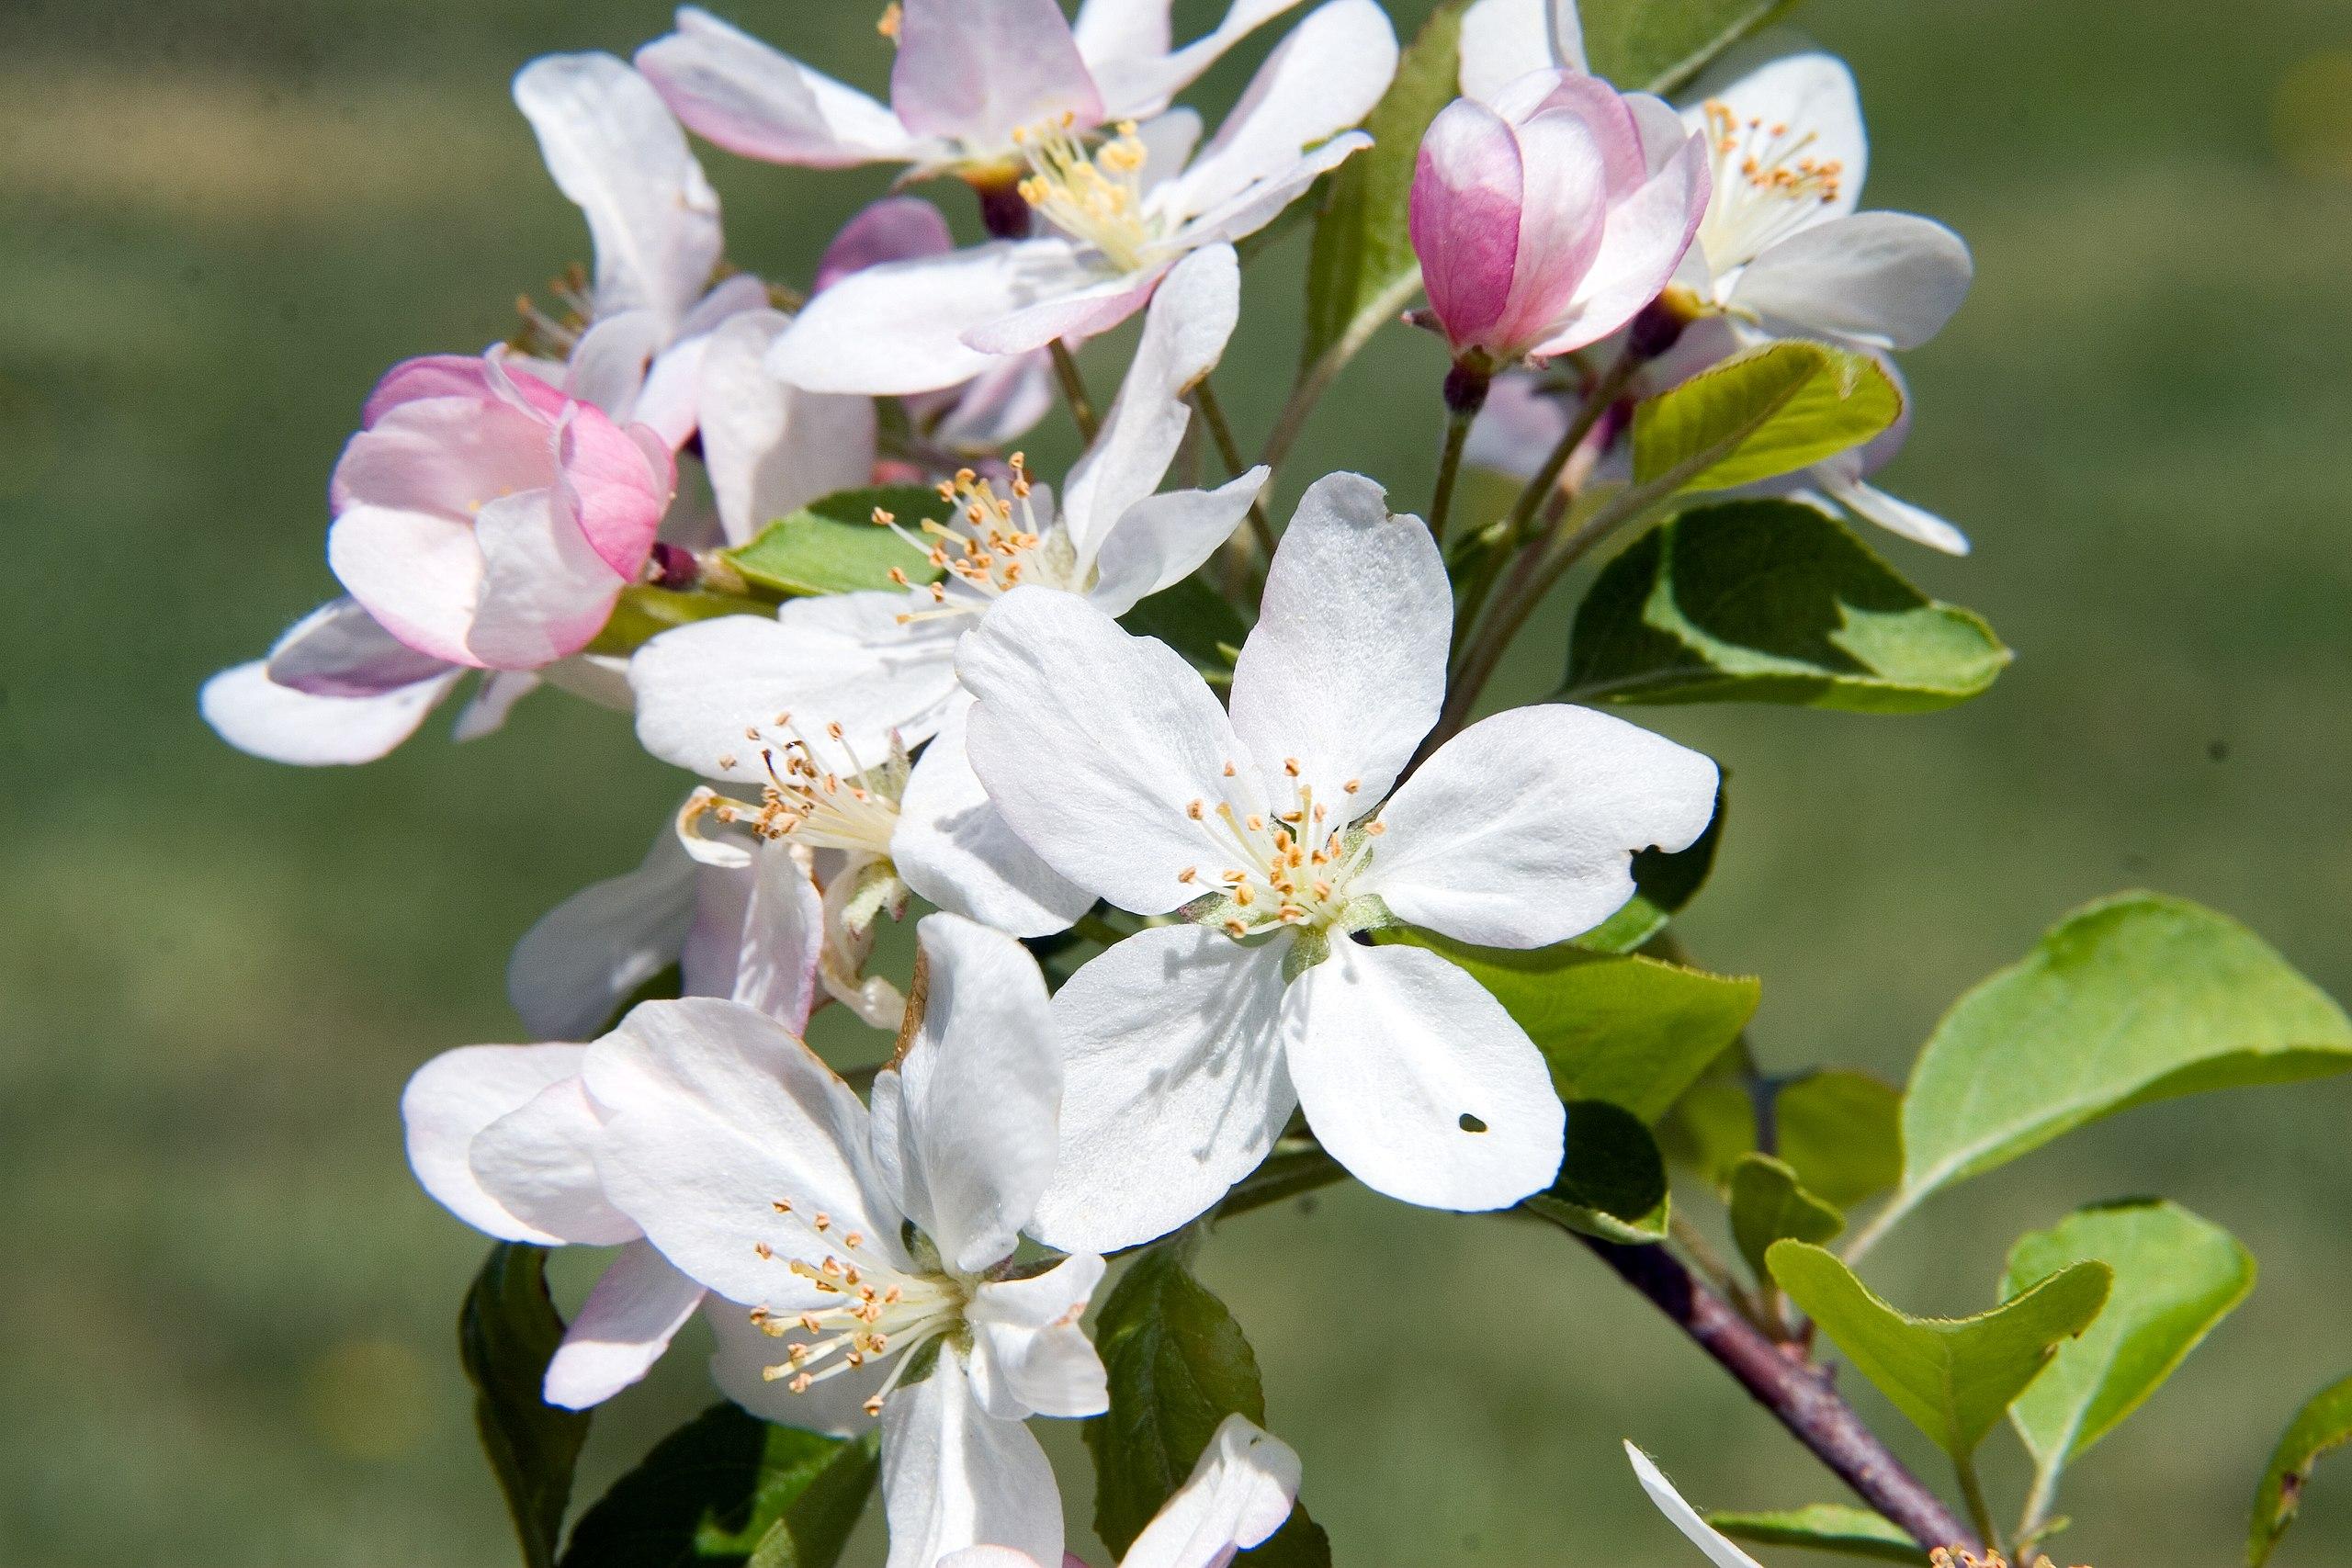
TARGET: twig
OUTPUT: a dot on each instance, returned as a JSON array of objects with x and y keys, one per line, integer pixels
[
  {"x": 1082, "y": 407},
  {"x": 1213, "y": 415}
]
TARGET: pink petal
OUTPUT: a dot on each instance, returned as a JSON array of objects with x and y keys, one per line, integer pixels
[
  {"x": 978, "y": 73},
  {"x": 433, "y": 376},
  {"x": 1561, "y": 225},
  {"x": 893, "y": 228},
  {"x": 611, "y": 481},
  {"x": 1464, "y": 216}
]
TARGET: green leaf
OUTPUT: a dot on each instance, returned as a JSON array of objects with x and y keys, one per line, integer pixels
[
  {"x": 1951, "y": 1377},
  {"x": 1612, "y": 1183},
  {"x": 1824, "y": 1526},
  {"x": 644, "y": 611},
  {"x": 1769, "y": 1205},
  {"x": 1771, "y": 602},
  {"x": 1622, "y": 1028},
  {"x": 1360, "y": 270},
  {"x": 1663, "y": 884},
  {"x": 2323, "y": 1423},
  {"x": 508, "y": 1332},
  {"x": 1759, "y": 414},
  {"x": 2131, "y": 999},
  {"x": 727, "y": 1488},
  {"x": 1196, "y": 621},
  {"x": 1838, "y": 1129},
  {"x": 1657, "y": 46},
  {"x": 832, "y": 545},
  {"x": 2175, "y": 1277},
  {"x": 1178, "y": 1365}
]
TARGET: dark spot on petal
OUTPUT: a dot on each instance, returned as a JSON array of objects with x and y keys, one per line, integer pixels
[{"x": 1471, "y": 1124}]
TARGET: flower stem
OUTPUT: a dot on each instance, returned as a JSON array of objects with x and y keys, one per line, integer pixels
[
  {"x": 1972, "y": 1492},
  {"x": 1799, "y": 1396},
  {"x": 1082, "y": 407},
  {"x": 1466, "y": 394},
  {"x": 1213, "y": 415}
]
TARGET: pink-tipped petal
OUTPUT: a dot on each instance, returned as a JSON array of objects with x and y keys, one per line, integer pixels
[
  {"x": 1467, "y": 192},
  {"x": 978, "y": 73},
  {"x": 897, "y": 228}
]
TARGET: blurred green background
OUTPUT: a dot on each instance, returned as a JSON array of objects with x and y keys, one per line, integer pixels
[{"x": 225, "y": 1331}]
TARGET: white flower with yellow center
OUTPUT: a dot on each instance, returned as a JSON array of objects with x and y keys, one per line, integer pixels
[
  {"x": 1118, "y": 212},
  {"x": 863, "y": 1262},
  {"x": 1274, "y": 828},
  {"x": 882, "y": 664}
]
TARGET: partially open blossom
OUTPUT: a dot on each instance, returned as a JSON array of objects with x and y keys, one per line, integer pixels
[
  {"x": 966, "y": 78},
  {"x": 1119, "y": 216},
  {"x": 1546, "y": 220},
  {"x": 1274, "y": 828},
  {"x": 845, "y": 1243},
  {"x": 731, "y": 698},
  {"x": 485, "y": 518}
]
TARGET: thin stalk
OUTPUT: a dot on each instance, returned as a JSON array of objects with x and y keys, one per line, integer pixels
[
  {"x": 2035, "y": 1520},
  {"x": 1448, "y": 471},
  {"x": 1972, "y": 1492},
  {"x": 1702, "y": 1253},
  {"x": 1082, "y": 407},
  {"x": 1095, "y": 929},
  {"x": 1213, "y": 415}
]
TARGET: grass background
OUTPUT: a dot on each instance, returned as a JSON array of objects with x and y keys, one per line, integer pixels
[{"x": 224, "y": 1337}]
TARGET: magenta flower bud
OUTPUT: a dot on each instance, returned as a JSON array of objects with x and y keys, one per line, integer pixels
[{"x": 1546, "y": 220}]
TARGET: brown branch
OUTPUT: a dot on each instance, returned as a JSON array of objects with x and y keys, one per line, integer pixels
[{"x": 1799, "y": 1396}]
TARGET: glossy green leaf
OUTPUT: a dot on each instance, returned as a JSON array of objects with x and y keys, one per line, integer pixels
[
  {"x": 644, "y": 611},
  {"x": 1663, "y": 884},
  {"x": 2325, "y": 1423},
  {"x": 1824, "y": 1526},
  {"x": 1360, "y": 270},
  {"x": 833, "y": 545},
  {"x": 727, "y": 1489},
  {"x": 1838, "y": 1129},
  {"x": 1622, "y": 1028},
  {"x": 1768, "y": 412},
  {"x": 508, "y": 1332},
  {"x": 1771, "y": 602},
  {"x": 1951, "y": 1377},
  {"x": 1769, "y": 1205},
  {"x": 1196, "y": 621},
  {"x": 2131, "y": 999},
  {"x": 2175, "y": 1277},
  {"x": 1612, "y": 1183},
  {"x": 1658, "y": 46},
  {"x": 1177, "y": 1365}
]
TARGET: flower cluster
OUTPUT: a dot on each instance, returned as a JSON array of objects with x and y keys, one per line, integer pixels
[{"x": 1272, "y": 849}]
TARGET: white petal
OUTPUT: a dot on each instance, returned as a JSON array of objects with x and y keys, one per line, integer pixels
[
  {"x": 1810, "y": 92},
  {"x": 1887, "y": 279},
  {"x": 278, "y": 724},
  {"x": 953, "y": 1476},
  {"x": 835, "y": 1406},
  {"x": 591, "y": 953},
  {"x": 1520, "y": 831},
  {"x": 487, "y": 711},
  {"x": 1163, "y": 539},
  {"x": 417, "y": 572},
  {"x": 1322, "y": 79},
  {"x": 451, "y": 1099},
  {"x": 1418, "y": 1081},
  {"x": 977, "y": 73},
  {"x": 339, "y": 650},
  {"x": 1700, "y": 1534},
  {"x": 1126, "y": 45},
  {"x": 1087, "y": 301},
  {"x": 1094, "y": 745},
  {"x": 717, "y": 1113},
  {"x": 1185, "y": 334},
  {"x": 1173, "y": 1085},
  {"x": 901, "y": 327},
  {"x": 999, "y": 406},
  {"x": 1504, "y": 40},
  {"x": 1256, "y": 205},
  {"x": 1029, "y": 1355},
  {"x": 623, "y": 1327},
  {"x": 842, "y": 657},
  {"x": 772, "y": 448},
  {"x": 1345, "y": 669},
  {"x": 750, "y": 100},
  {"x": 956, "y": 849},
  {"x": 608, "y": 365},
  {"x": 1896, "y": 515},
  {"x": 614, "y": 149},
  {"x": 782, "y": 938},
  {"x": 965, "y": 1126},
  {"x": 545, "y": 590},
  {"x": 1240, "y": 1493},
  {"x": 538, "y": 1162}
]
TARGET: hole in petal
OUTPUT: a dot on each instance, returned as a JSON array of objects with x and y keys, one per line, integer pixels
[{"x": 1471, "y": 1124}]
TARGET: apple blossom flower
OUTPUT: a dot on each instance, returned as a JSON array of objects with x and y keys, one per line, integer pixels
[
  {"x": 1121, "y": 216},
  {"x": 1240, "y": 1493},
  {"x": 1523, "y": 419},
  {"x": 1548, "y": 219},
  {"x": 728, "y": 697},
  {"x": 1273, "y": 828},
  {"x": 967, "y": 77},
  {"x": 503, "y": 1136},
  {"x": 845, "y": 1244},
  {"x": 1718, "y": 1547},
  {"x": 485, "y": 518}
]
